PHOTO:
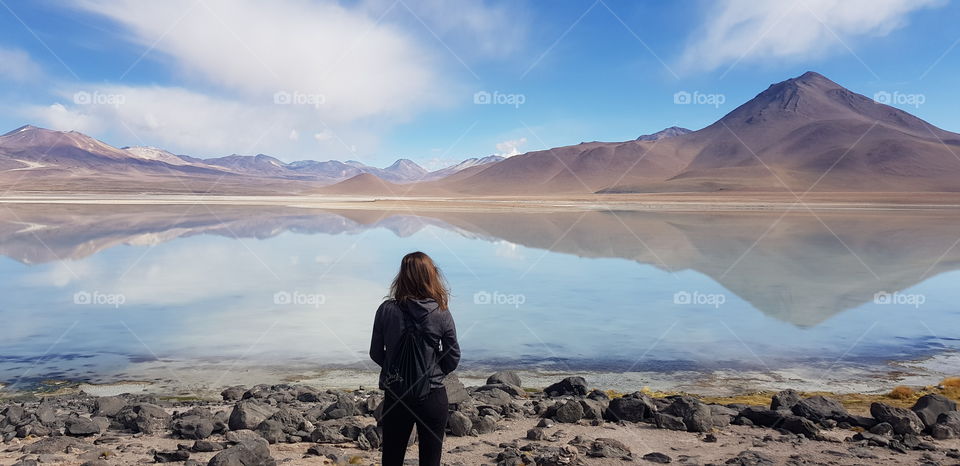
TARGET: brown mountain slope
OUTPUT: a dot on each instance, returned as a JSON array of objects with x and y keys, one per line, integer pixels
[
  {"x": 809, "y": 132},
  {"x": 806, "y": 132}
]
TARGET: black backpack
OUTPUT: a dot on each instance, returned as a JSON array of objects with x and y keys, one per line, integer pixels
[{"x": 409, "y": 368}]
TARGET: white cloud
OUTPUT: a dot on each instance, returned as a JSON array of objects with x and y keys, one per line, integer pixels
[
  {"x": 472, "y": 28},
  {"x": 360, "y": 67},
  {"x": 188, "y": 122},
  {"x": 17, "y": 65},
  {"x": 511, "y": 147},
  {"x": 795, "y": 30}
]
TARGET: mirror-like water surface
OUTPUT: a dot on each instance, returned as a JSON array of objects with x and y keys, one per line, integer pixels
[{"x": 203, "y": 295}]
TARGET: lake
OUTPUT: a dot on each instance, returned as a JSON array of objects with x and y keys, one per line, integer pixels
[{"x": 204, "y": 296}]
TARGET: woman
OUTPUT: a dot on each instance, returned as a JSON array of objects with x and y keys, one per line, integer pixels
[{"x": 418, "y": 296}]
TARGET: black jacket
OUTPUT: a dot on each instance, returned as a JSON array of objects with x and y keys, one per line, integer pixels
[{"x": 388, "y": 326}]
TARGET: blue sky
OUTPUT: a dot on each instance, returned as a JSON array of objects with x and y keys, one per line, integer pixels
[{"x": 376, "y": 80}]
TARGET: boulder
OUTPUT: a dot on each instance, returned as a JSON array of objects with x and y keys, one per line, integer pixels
[
  {"x": 50, "y": 445},
  {"x": 569, "y": 412},
  {"x": 493, "y": 397},
  {"x": 193, "y": 427},
  {"x": 505, "y": 377},
  {"x": 252, "y": 452},
  {"x": 485, "y": 424},
  {"x": 206, "y": 446},
  {"x": 512, "y": 390},
  {"x": 108, "y": 406},
  {"x": 248, "y": 414},
  {"x": 144, "y": 417},
  {"x": 593, "y": 409},
  {"x": 785, "y": 399},
  {"x": 328, "y": 434},
  {"x": 751, "y": 458},
  {"x": 343, "y": 407},
  {"x": 271, "y": 431},
  {"x": 459, "y": 424},
  {"x": 904, "y": 421},
  {"x": 800, "y": 426},
  {"x": 760, "y": 416},
  {"x": 234, "y": 393},
  {"x": 819, "y": 408},
  {"x": 456, "y": 392},
  {"x": 290, "y": 420},
  {"x": 576, "y": 386},
  {"x": 81, "y": 427},
  {"x": 669, "y": 422},
  {"x": 696, "y": 415},
  {"x": 633, "y": 408},
  {"x": 657, "y": 457},
  {"x": 171, "y": 456},
  {"x": 947, "y": 426},
  {"x": 930, "y": 407},
  {"x": 608, "y": 448}
]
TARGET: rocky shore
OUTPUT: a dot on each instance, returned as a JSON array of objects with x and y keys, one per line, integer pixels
[{"x": 567, "y": 423}]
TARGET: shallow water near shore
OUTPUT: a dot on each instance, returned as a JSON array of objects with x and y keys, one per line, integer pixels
[{"x": 199, "y": 296}]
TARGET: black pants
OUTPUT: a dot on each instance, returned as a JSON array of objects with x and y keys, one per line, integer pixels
[{"x": 429, "y": 415}]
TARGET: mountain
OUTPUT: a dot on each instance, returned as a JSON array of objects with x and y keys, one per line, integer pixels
[
  {"x": 45, "y": 159},
  {"x": 804, "y": 133},
  {"x": 670, "y": 132},
  {"x": 404, "y": 169},
  {"x": 469, "y": 163}
]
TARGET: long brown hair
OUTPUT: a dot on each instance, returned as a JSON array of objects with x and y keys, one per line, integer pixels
[{"x": 420, "y": 278}]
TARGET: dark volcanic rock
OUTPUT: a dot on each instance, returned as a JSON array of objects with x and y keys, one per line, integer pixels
[
  {"x": 819, "y": 409},
  {"x": 248, "y": 414},
  {"x": 234, "y": 393},
  {"x": 456, "y": 392},
  {"x": 947, "y": 426},
  {"x": 144, "y": 417},
  {"x": 171, "y": 456},
  {"x": 505, "y": 377},
  {"x": 800, "y": 426},
  {"x": 903, "y": 420},
  {"x": 109, "y": 406},
  {"x": 271, "y": 431},
  {"x": 696, "y": 415},
  {"x": 248, "y": 453},
  {"x": 343, "y": 407},
  {"x": 785, "y": 399},
  {"x": 668, "y": 421},
  {"x": 194, "y": 427},
  {"x": 328, "y": 434},
  {"x": 569, "y": 412},
  {"x": 459, "y": 424},
  {"x": 930, "y": 407},
  {"x": 206, "y": 446},
  {"x": 657, "y": 457},
  {"x": 576, "y": 386},
  {"x": 635, "y": 407},
  {"x": 53, "y": 445},
  {"x": 751, "y": 458},
  {"x": 81, "y": 427},
  {"x": 608, "y": 448}
]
